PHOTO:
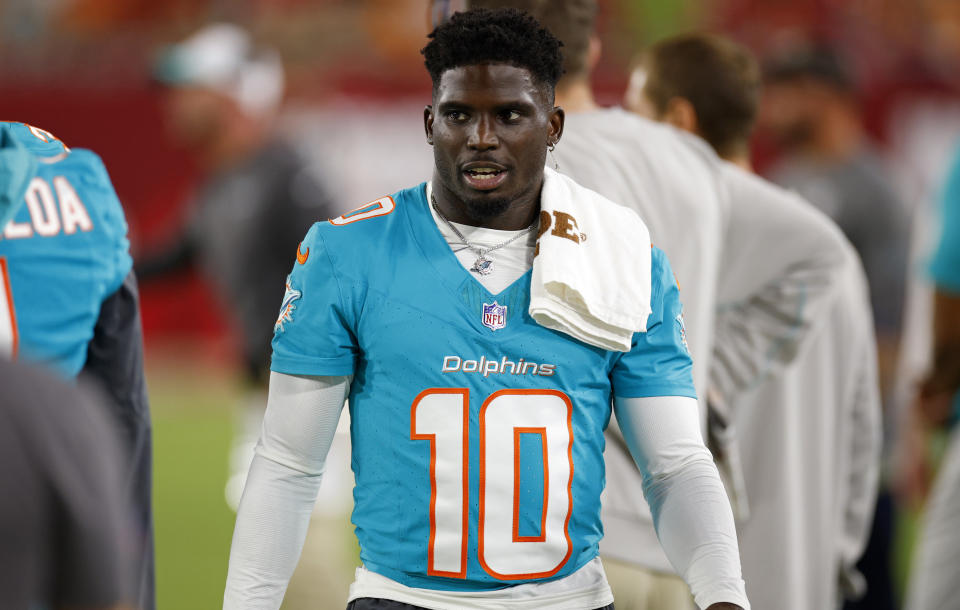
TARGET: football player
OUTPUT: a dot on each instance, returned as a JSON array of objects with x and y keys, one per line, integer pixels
[
  {"x": 825, "y": 406},
  {"x": 69, "y": 298},
  {"x": 465, "y": 411}
]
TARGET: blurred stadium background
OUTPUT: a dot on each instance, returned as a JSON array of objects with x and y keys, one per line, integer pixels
[{"x": 355, "y": 91}]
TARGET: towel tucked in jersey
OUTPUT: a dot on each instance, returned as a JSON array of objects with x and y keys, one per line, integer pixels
[{"x": 591, "y": 274}]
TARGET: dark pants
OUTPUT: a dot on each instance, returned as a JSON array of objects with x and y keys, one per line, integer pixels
[
  {"x": 875, "y": 563},
  {"x": 370, "y": 603}
]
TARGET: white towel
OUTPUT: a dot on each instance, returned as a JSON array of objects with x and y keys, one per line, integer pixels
[{"x": 591, "y": 274}]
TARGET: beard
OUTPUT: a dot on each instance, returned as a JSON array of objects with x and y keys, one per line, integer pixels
[{"x": 485, "y": 208}]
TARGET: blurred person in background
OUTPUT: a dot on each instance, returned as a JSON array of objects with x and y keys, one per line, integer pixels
[
  {"x": 69, "y": 299},
  {"x": 811, "y": 110},
  {"x": 810, "y": 438},
  {"x": 936, "y": 565},
  {"x": 773, "y": 290},
  {"x": 222, "y": 93},
  {"x": 67, "y": 534}
]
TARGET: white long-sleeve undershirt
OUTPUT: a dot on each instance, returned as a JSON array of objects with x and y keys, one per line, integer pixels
[
  {"x": 691, "y": 510},
  {"x": 274, "y": 512}
]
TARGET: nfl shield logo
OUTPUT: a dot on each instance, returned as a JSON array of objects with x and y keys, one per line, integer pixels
[{"x": 494, "y": 316}]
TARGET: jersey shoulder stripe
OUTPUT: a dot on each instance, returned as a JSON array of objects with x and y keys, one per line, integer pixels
[
  {"x": 39, "y": 142},
  {"x": 369, "y": 230}
]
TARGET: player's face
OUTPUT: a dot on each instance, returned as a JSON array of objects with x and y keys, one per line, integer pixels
[
  {"x": 193, "y": 114},
  {"x": 490, "y": 125},
  {"x": 790, "y": 109}
]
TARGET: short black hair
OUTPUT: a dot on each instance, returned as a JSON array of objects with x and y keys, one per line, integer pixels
[
  {"x": 505, "y": 35},
  {"x": 814, "y": 61}
]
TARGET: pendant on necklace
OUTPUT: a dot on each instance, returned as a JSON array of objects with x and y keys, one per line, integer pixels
[{"x": 482, "y": 266}]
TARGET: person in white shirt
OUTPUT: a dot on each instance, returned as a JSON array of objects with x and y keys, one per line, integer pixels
[
  {"x": 810, "y": 438},
  {"x": 783, "y": 258}
]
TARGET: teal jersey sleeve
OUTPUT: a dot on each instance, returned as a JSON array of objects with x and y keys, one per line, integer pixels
[
  {"x": 313, "y": 334},
  {"x": 659, "y": 362},
  {"x": 945, "y": 264}
]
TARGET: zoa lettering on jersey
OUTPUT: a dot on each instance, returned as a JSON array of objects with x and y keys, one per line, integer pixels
[
  {"x": 503, "y": 366},
  {"x": 51, "y": 215}
]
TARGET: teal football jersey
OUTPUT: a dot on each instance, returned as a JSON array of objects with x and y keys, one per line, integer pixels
[
  {"x": 477, "y": 433},
  {"x": 64, "y": 251}
]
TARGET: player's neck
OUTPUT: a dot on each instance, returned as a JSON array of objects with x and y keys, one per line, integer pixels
[
  {"x": 741, "y": 161},
  {"x": 576, "y": 96},
  {"x": 520, "y": 213},
  {"x": 740, "y": 157}
]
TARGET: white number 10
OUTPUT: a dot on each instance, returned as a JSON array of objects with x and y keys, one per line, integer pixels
[{"x": 441, "y": 416}]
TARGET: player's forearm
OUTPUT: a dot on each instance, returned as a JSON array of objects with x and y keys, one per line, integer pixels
[
  {"x": 174, "y": 257},
  {"x": 271, "y": 526},
  {"x": 298, "y": 429},
  {"x": 695, "y": 525},
  {"x": 690, "y": 508}
]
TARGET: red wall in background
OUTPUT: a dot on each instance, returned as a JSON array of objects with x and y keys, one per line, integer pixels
[{"x": 152, "y": 179}]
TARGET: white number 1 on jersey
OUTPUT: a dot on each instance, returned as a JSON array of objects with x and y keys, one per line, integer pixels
[
  {"x": 441, "y": 416},
  {"x": 9, "y": 339}
]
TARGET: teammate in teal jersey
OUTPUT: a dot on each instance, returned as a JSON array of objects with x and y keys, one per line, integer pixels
[
  {"x": 477, "y": 433},
  {"x": 68, "y": 298}
]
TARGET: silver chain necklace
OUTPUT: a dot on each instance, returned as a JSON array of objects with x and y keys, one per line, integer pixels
[{"x": 482, "y": 265}]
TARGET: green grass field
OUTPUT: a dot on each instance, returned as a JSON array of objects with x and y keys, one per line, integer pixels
[{"x": 192, "y": 430}]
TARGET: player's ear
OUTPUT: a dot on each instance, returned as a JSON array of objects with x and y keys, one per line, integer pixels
[
  {"x": 681, "y": 113},
  {"x": 555, "y": 125},
  {"x": 428, "y": 123},
  {"x": 594, "y": 50}
]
